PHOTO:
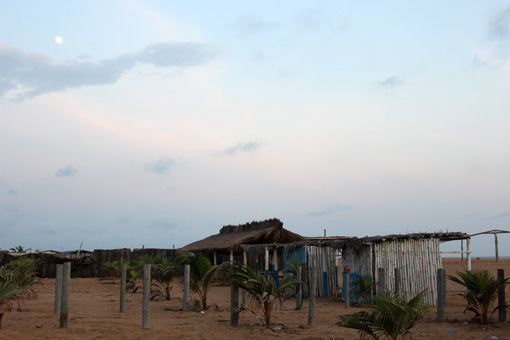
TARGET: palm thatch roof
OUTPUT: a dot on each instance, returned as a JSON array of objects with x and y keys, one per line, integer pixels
[{"x": 232, "y": 237}]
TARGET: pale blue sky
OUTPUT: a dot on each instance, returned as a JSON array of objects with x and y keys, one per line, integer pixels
[{"x": 157, "y": 122}]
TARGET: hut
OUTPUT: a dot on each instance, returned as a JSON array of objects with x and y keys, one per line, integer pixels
[
  {"x": 407, "y": 262},
  {"x": 230, "y": 239}
]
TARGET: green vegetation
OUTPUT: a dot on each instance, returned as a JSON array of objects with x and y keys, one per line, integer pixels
[
  {"x": 362, "y": 286},
  {"x": 18, "y": 249},
  {"x": 263, "y": 292},
  {"x": 482, "y": 291},
  {"x": 391, "y": 316},
  {"x": 201, "y": 274},
  {"x": 16, "y": 282}
]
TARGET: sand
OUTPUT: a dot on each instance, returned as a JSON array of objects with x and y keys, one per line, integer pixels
[{"x": 94, "y": 314}]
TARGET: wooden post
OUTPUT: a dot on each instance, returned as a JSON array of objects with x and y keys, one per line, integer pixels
[
  {"x": 441, "y": 294},
  {"x": 496, "y": 244},
  {"x": 58, "y": 288},
  {"x": 275, "y": 267},
  {"x": 146, "y": 295},
  {"x": 123, "y": 288},
  {"x": 324, "y": 273},
  {"x": 299, "y": 300},
  {"x": 243, "y": 292},
  {"x": 347, "y": 288},
  {"x": 267, "y": 264},
  {"x": 501, "y": 296},
  {"x": 185, "y": 295},
  {"x": 462, "y": 250},
  {"x": 336, "y": 271},
  {"x": 214, "y": 258},
  {"x": 311, "y": 293},
  {"x": 468, "y": 246},
  {"x": 381, "y": 283},
  {"x": 234, "y": 303},
  {"x": 397, "y": 280},
  {"x": 257, "y": 264},
  {"x": 64, "y": 306}
]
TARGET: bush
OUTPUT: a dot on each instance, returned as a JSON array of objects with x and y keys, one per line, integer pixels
[
  {"x": 482, "y": 291},
  {"x": 391, "y": 316}
]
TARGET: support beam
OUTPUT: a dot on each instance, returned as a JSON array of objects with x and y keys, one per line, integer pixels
[
  {"x": 243, "y": 292},
  {"x": 275, "y": 267},
  {"x": 496, "y": 244}
]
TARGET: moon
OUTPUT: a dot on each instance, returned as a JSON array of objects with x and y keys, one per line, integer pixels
[{"x": 59, "y": 40}]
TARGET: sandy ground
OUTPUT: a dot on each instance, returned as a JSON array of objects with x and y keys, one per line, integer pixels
[{"x": 94, "y": 314}]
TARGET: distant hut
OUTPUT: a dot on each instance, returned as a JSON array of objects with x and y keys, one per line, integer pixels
[{"x": 231, "y": 238}]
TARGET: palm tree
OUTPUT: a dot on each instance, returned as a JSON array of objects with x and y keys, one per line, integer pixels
[
  {"x": 482, "y": 291},
  {"x": 18, "y": 249},
  {"x": 263, "y": 292},
  {"x": 8, "y": 292},
  {"x": 201, "y": 274},
  {"x": 391, "y": 317},
  {"x": 164, "y": 272}
]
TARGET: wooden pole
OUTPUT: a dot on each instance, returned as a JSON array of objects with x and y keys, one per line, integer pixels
[
  {"x": 380, "y": 283},
  {"x": 468, "y": 246},
  {"x": 146, "y": 295},
  {"x": 275, "y": 267},
  {"x": 441, "y": 294},
  {"x": 397, "y": 280},
  {"x": 243, "y": 293},
  {"x": 185, "y": 295},
  {"x": 123, "y": 288},
  {"x": 58, "y": 288},
  {"x": 496, "y": 243},
  {"x": 336, "y": 271},
  {"x": 299, "y": 300},
  {"x": 324, "y": 273},
  {"x": 501, "y": 296},
  {"x": 234, "y": 302},
  {"x": 462, "y": 251},
  {"x": 311, "y": 293},
  {"x": 347, "y": 289},
  {"x": 64, "y": 307},
  {"x": 267, "y": 264},
  {"x": 214, "y": 258}
]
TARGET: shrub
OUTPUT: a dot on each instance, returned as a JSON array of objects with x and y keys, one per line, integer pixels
[
  {"x": 263, "y": 292},
  {"x": 391, "y": 316},
  {"x": 482, "y": 291}
]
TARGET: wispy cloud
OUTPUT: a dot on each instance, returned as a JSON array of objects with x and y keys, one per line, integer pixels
[
  {"x": 499, "y": 26},
  {"x": 12, "y": 192},
  {"x": 160, "y": 166},
  {"x": 331, "y": 210},
  {"x": 26, "y": 75},
  {"x": 68, "y": 171},
  {"x": 502, "y": 215},
  {"x": 251, "y": 24},
  {"x": 246, "y": 147},
  {"x": 390, "y": 82}
]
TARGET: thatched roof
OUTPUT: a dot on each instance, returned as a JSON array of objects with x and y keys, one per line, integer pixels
[{"x": 232, "y": 237}]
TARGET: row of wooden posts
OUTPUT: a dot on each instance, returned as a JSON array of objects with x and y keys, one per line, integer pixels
[{"x": 63, "y": 278}]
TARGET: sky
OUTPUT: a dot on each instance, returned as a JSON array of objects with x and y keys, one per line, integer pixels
[{"x": 130, "y": 123}]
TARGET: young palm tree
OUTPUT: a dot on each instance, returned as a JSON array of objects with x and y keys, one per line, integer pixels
[
  {"x": 201, "y": 274},
  {"x": 164, "y": 272},
  {"x": 263, "y": 292},
  {"x": 482, "y": 291},
  {"x": 362, "y": 286},
  {"x": 8, "y": 292},
  {"x": 391, "y": 317}
]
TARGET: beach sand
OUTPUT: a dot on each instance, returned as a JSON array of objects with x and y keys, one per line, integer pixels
[{"x": 94, "y": 314}]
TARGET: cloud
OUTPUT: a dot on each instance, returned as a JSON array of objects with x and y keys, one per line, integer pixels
[
  {"x": 330, "y": 210},
  {"x": 12, "y": 192},
  {"x": 161, "y": 166},
  {"x": 391, "y": 82},
  {"x": 307, "y": 19},
  {"x": 69, "y": 171},
  {"x": 246, "y": 147},
  {"x": 499, "y": 27},
  {"x": 162, "y": 224},
  {"x": 26, "y": 75},
  {"x": 251, "y": 24},
  {"x": 497, "y": 217}
]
